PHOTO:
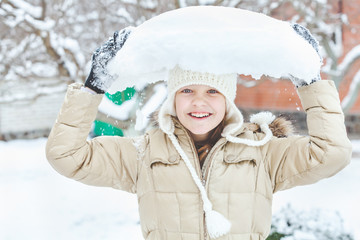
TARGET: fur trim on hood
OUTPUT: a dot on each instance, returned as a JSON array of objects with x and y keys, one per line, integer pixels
[{"x": 280, "y": 127}]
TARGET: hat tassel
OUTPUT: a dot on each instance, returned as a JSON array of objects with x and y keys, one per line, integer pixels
[{"x": 217, "y": 225}]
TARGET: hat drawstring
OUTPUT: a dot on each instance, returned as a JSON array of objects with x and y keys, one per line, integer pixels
[
  {"x": 217, "y": 225},
  {"x": 263, "y": 119}
]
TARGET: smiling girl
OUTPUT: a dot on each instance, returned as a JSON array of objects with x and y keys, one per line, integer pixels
[
  {"x": 203, "y": 173},
  {"x": 200, "y": 109}
]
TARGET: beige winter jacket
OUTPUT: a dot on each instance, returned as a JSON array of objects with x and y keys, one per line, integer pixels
[{"x": 240, "y": 180}]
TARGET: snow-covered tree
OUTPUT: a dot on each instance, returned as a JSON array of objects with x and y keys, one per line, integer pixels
[{"x": 47, "y": 44}]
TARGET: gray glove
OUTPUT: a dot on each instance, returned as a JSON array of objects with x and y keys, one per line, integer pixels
[
  {"x": 99, "y": 79},
  {"x": 305, "y": 33}
]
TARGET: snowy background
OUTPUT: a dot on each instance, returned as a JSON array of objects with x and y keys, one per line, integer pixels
[
  {"x": 46, "y": 45},
  {"x": 38, "y": 203}
]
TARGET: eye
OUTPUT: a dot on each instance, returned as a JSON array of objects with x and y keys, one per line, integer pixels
[
  {"x": 186, "y": 90},
  {"x": 212, "y": 91}
]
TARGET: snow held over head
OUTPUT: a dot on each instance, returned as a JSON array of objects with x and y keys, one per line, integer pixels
[{"x": 218, "y": 40}]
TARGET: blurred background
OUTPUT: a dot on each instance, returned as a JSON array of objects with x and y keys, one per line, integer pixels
[{"x": 46, "y": 45}]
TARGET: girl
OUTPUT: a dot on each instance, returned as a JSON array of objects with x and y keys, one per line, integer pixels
[{"x": 203, "y": 173}]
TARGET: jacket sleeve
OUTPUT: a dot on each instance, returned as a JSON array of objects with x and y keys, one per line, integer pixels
[
  {"x": 301, "y": 160},
  {"x": 103, "y": 161}
]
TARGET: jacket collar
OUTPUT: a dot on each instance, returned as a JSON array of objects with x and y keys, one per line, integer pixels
[{"x": 280, "y": 127}]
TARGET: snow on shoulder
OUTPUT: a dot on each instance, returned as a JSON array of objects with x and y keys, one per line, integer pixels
[{"x": 212, "y": 39}]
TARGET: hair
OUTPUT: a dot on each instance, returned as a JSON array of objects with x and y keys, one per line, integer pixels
[{"x": 204, "y": 149}]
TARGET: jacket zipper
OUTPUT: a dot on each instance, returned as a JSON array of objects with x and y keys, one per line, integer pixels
[
  {"x": 207, "y": 162},
  {"x": 202, "y": 172},
  {"x": 205, "y": 170},
  {"x": 199, "y": 172}
]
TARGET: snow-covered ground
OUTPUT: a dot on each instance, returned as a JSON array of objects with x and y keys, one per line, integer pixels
[{"x": 37, "y": 203}]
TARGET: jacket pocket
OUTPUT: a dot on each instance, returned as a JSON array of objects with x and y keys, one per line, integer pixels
[
  {"x": 236, "y": 154},
  {"x": 172, "y": 160},
  {"x": 233, "y": 159},
  {"x": 250, "y": 172},
  {"x": 171, "y": 175},
  {"x": 239, "y": 170}
]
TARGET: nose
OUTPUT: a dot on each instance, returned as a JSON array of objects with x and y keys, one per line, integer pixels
[{"x": 198, "y": 100}]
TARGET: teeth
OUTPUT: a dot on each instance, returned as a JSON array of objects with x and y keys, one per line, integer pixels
[{"x": 200, "y": 115}]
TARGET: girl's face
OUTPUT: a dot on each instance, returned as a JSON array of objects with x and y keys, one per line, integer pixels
[{"x": 200, "y": 109}]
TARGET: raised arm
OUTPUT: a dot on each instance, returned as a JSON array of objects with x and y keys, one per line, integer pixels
[
  {"x": 300, "y": 160},
  {"x": 303, "y": 160},
  {"x": 102, "y": 161}
]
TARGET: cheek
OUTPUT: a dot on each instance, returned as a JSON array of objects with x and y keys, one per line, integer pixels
[
  {"x": 221, "y": 107},
  {"x": 222, "y": 114},
  {"x": 179, "y": 105}
]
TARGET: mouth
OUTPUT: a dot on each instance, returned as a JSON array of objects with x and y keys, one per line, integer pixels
[{"x": 199, "y": 115}]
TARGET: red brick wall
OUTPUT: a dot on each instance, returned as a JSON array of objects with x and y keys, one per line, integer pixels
[{"x": 281, "y": 95}]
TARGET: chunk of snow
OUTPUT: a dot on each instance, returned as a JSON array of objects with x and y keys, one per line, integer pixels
[
  {"x": 121, "y": 112},
  {"x": 213, "y": 39}
]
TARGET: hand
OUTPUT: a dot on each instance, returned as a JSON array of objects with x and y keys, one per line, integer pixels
[
  {"x": 99, "y": 79},
  {"x": 305, "y": 33}
]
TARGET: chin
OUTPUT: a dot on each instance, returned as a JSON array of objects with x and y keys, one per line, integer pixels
[{"x": 197, "y": 132}]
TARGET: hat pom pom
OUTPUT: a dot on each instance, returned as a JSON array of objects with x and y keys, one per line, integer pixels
[
  {"x": 262, "y": 118},
  {"x": 216, "y": 224}
]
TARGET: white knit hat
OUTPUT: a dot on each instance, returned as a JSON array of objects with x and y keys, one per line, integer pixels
[
  {"x": 217, "y": 225},
  {"x": 225, "y": 84}
]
